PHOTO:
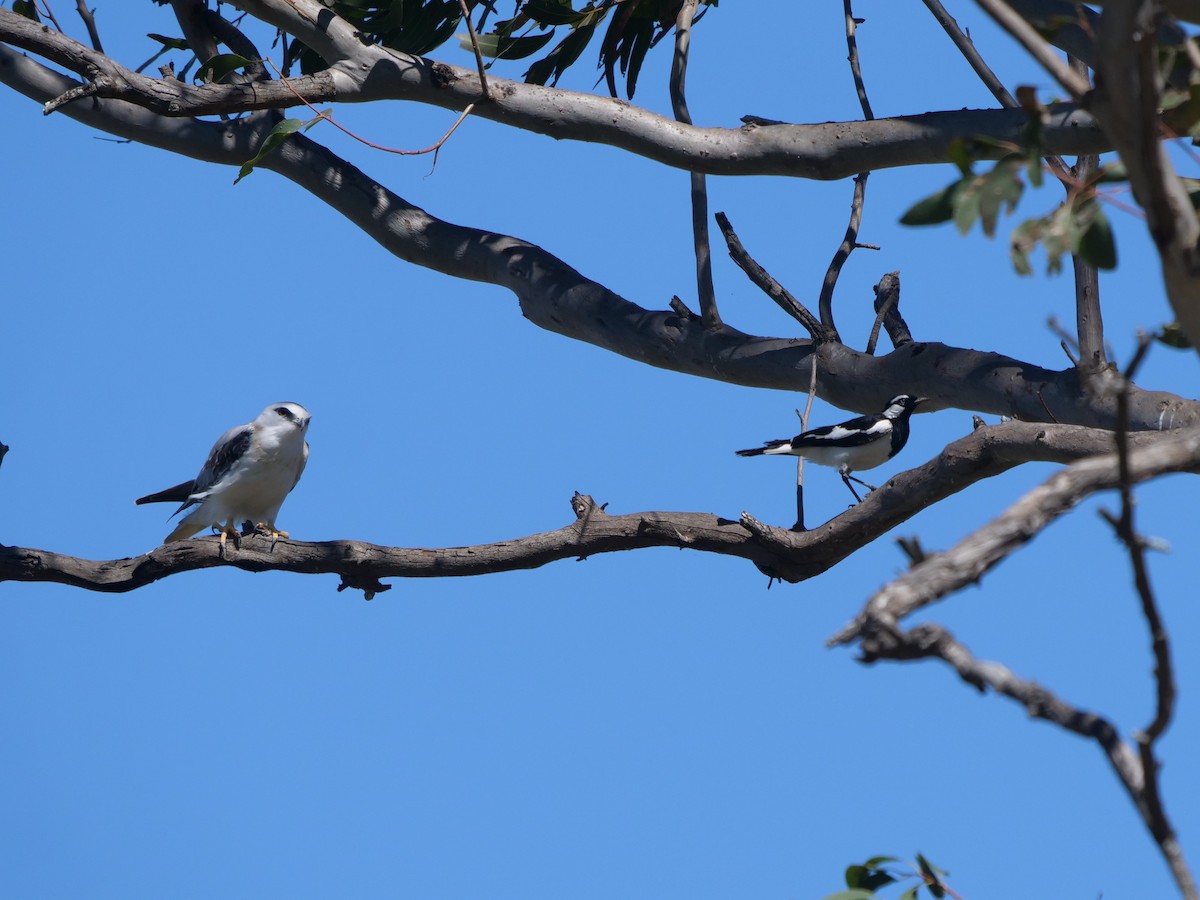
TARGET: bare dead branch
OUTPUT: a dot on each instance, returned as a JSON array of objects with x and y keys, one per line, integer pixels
[
  {"x": 1151, "y": 802},
  {"x": 887, "y": 313},
  {"x": 934, "y": 642},
  {"x": 850, "y": 238},
  {"x": 705, "y": 290},
  {"x": 89, "y": 22},
  {"x": 849, "y": 241},
  {"x": 944, "y": 573},
  {"x": 772, "y": 288},
  {"x": 855, "y": 70},
  {"x": 778, "y": 552}
]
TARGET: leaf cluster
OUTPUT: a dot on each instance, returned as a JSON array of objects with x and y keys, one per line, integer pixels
[
  {"x": 420, "y": 26},
  {"x": 865, "y": 880},
  {"x": 1077, "y": 226}
]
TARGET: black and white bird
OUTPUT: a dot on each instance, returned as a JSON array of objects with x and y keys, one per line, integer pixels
[
  {"x": 249, "y": 472},
  {"x": 861, "y": 443}
]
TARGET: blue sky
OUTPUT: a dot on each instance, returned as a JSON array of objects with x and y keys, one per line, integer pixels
[{"x": 650, "y": 724}]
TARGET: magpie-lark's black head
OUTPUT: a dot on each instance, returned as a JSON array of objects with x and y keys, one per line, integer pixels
[{"x": 901, "y": 405}]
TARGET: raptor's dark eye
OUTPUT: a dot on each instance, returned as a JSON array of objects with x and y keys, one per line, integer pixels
[{"x": 285, "y": 412}]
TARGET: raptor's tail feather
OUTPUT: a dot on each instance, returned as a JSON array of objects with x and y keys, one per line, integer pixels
[
  {"x": 177, "y": 494},
  {"x": 182, "y": 532}
]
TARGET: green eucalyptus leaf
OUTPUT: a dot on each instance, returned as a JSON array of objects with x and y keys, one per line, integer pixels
[
  {"x": 551, "y": 67},
  {"x": 552, "y": 12},
  {"x": 169, "y": 42},
  {"x": 221, "y": 65},
  {"x": 278, "y": 135},
  {"x": 1172, "y": 335},
  {"x": 499, "y": 46},
  {"x": 933, "y": 210},
  {"x": 1096, "y": 244}
]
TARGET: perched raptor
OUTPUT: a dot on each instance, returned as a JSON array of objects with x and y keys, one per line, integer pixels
[
  {"x": 249, "y": 472},
  {"x": 862, "y": 443}
]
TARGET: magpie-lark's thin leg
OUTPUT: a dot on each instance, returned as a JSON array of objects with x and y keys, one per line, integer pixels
[
  {"x": 869, "y": 487},
  {"x": 846, "y": 479}
]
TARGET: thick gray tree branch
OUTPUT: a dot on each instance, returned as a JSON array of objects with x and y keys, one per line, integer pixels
[
  {"x": 554, "y": 296},
  {"x": 778, "y": 552},
  {"x": 826, "y": 151}
]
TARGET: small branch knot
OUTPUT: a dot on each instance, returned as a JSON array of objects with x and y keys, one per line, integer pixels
[{"x": 369, "y": 585}]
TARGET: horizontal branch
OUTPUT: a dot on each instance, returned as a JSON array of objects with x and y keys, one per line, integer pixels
[
  {"x": 777, "y": 552},
  {"x": 941, "y": 574},
  {"x": 825, "y": 151}
]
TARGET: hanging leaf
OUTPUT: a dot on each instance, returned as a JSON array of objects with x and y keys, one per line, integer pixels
[
  {"x": 554, "y": 12},
  {"x": 278, "y": 135},
  {"x": 499, "y": 46},
  {"x": 551, "y": 67},
  {"x": 934, "y": 209}
]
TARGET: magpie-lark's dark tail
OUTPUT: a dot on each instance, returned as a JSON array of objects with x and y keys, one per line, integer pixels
[{"x": 781, "y": 446}]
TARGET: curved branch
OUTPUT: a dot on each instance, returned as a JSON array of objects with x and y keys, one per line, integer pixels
[
  {"x": 777, "y": 552},
  {"x": 942, "y": 574},
  {"x": 825, "y": 151}
]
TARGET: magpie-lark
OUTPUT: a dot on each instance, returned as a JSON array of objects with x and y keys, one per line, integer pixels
[{"x": 861, "y": 443}]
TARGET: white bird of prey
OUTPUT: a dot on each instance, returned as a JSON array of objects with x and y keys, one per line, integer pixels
[
  {"x": 861, "y": 443},
  {"x": 249, "y": 472}
]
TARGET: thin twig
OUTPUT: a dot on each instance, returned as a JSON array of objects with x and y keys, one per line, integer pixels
[
  {"x": 1037, "y": 47},
  {"x": 989, "y": 78},
  {"x": 328, "y": 117},
  {"x": 483, "y": 83},
  {"x": 49, "y": 14},
  {"x": 967, "y": 48},
  {"x": 1151, "y": 804},
  {"x": 812, "y": 393},
  {"x": 89, "y": 22},
  {"x": 930, "y": 641},
  {"x": 769, "y": 285},
  {"x": 705, "y": 290},
  {"x": 852, "y": 45},
  {"x": 850, "y": 239}
]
